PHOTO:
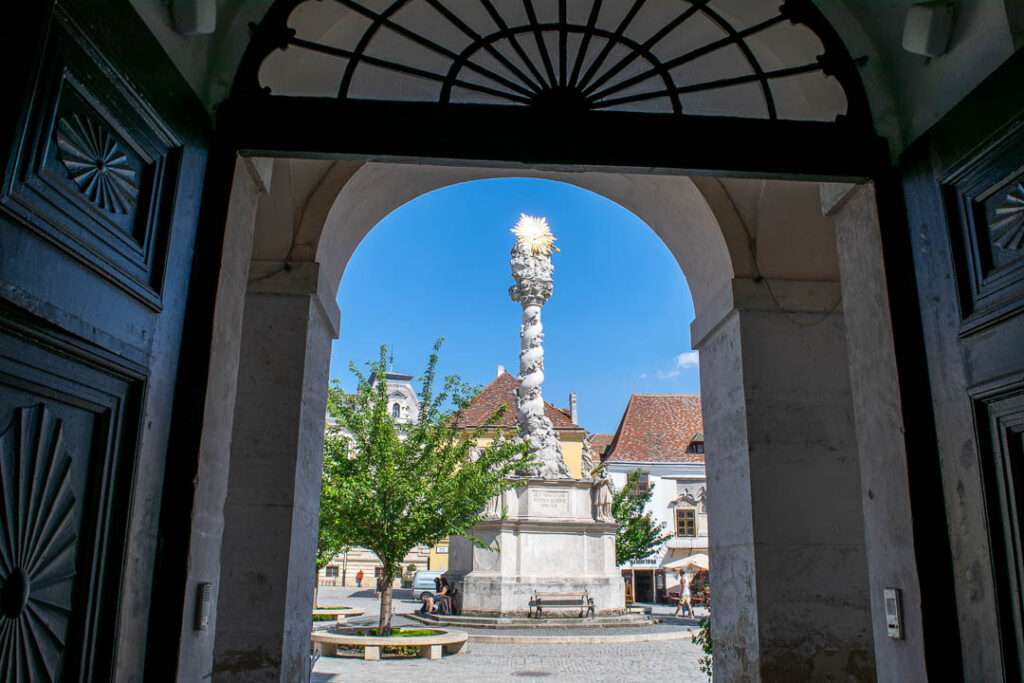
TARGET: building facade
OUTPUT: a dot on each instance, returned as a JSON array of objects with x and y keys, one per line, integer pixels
[{"x": 662, "y": 436}]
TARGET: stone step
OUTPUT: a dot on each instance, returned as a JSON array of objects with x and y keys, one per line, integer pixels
[{"x": 512, "y": 622}]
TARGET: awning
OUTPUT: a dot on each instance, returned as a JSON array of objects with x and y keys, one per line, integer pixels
[{"x": 697, "y": 562}]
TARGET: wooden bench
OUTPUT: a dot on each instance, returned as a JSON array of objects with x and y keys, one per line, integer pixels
[
  {"x": 448, "y": 642},
  {"x": 581, "y": 601}
]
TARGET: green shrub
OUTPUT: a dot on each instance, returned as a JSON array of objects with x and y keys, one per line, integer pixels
[
  {"x": 703, "y": 638},
  {"x": 403, "y": 650},
  {"x": 327, "y": 617}
]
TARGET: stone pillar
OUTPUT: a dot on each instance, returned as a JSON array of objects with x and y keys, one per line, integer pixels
[
  {"x": 788, "y": 575},
  {"x": 271, "y": 513},
  {"x": 888, "y": 518}
]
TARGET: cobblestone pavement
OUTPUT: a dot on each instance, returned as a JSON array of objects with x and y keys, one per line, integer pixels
[{"x": 618, "y": 662}]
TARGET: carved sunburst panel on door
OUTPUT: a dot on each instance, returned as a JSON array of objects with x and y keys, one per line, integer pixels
[
  {"x": 69, "y": 419},
  {"x": 1004, "y": 213},
  {"x": 95, "y": 168},
  {"x": 97, "y": 163},
  {"x": 985, "y": 210},
  {"x": 38, "y": 540}
]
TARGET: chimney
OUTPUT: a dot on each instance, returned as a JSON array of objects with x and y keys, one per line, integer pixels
[
  {"x": 572, "y": 408},
  {"x": 501, "y": 369}
]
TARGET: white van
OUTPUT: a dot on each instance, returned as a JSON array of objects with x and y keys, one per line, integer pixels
[{"x": 423, "y": 583}]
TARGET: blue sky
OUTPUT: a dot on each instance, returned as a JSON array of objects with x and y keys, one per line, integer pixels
[{"x": 617, "y": 323}]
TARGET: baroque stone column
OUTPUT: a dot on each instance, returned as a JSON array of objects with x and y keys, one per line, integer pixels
[{"x": 532, "y": 270}]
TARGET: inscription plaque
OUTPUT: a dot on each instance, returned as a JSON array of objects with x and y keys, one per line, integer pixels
[{"x": 550, "y": 502}]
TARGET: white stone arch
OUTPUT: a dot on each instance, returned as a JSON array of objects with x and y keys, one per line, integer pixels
[
  {"x": 673, "y": 206},
  {"x": 761, "y": 263}
]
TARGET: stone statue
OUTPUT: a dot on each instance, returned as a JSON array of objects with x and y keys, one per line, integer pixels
[
  {"x": 601, "y": 492},
  {"x": 495, "y": 506},
  {"x": 690, "y": 498},
  {"x": 588, "y": 459},
  {"x": 532, "y": 270}
]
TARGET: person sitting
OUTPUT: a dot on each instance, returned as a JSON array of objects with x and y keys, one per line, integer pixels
[
  {"x": 443, "y": 598},
  {"x": 439, "y": 601}
]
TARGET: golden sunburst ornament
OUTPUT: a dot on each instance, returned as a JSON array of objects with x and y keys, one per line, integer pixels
[{"x": 534, "y": 235}]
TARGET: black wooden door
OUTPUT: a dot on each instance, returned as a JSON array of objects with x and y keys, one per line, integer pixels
[
  {"x": 103, "y": 152},
  {"x": 964, "y": 184}
]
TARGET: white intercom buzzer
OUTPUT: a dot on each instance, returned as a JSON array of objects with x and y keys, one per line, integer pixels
[{"x": 893, "y": 613}]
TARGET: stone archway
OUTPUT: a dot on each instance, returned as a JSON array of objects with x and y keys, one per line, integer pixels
[
  {"x": 769, "y": 299},
  {"x": 778, "y": 403}
]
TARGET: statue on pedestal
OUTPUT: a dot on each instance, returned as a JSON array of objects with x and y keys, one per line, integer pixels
[
  {"x": 534, "y": 534},
  {"x": 601, "y": 493},
  {"x": 587, "y": 464}
]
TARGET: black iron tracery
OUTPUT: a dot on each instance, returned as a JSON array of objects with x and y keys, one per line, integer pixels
[{"x": 584, "y": 79}]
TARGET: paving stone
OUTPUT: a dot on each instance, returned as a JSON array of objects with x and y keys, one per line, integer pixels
[{"x": 613, "y": 662}]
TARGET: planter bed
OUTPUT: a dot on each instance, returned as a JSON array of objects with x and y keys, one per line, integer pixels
[{"x": 428, "y": 646}]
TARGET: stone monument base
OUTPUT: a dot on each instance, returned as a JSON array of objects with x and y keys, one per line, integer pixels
[{"x": 549, "y": 540}]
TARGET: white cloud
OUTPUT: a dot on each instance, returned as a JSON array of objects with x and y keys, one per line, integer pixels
[
  {"x": 667, "y": 375},
  {"x": 687, "y": 359},
  {"x": 643, "y": 375}
]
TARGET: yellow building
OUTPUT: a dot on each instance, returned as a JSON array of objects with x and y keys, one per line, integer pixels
[{"x": 438, "y": 558}]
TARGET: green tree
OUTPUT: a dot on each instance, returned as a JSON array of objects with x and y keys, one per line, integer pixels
[
  {"x": 330, "y": 542},
  {"x": 394, "y": 486},
  {"x": 638, "y": 535}
]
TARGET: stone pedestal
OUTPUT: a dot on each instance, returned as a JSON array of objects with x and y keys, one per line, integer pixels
[{"x": 550, "y": 539}]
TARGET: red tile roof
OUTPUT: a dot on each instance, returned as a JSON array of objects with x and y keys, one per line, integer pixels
[
  {"x": 600, "y": 442},
  {"x": 658, "y": 428},
  {"x": 502, "y": 391}
]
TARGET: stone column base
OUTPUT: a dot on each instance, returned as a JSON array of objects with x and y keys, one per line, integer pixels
[{"x": 547, "y": 541}]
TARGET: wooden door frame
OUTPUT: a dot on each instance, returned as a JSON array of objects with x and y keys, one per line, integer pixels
[
  {"x": 466, "y": 134},
  {"x": 984, "y": 120}
]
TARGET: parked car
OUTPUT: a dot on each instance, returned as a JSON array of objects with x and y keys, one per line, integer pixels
[{"x": 423, "y": 583}]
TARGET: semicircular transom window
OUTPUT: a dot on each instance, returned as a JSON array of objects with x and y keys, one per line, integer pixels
[{"x": 745, "y": 58}]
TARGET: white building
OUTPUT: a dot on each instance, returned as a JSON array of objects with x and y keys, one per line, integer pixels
[{"x": 662, "y": 435}]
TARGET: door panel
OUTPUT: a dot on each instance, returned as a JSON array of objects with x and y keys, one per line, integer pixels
[
  {"x": 103, "y": 148},
  {"x": 964, "y": 185},
  {"x": 1001, "y": 447},
  {"x": 69, "y": 418}
]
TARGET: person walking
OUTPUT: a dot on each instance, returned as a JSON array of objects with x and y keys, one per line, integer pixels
[
  {"x": 359, "y": 578},
  {"x": 685, "y": 598},
  {"x": 380, "y": 586}
]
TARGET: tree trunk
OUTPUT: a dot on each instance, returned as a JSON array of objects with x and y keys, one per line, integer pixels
[
  {"x": 316, "y": 584},
  {"x": 387, "y": 577}
]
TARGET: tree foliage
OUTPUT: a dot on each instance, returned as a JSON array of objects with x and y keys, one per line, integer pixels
[
  {"x": 392, "y": 486},
  {"x": 702, "y": 638},
  {"x": 638, "y": 535}
]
